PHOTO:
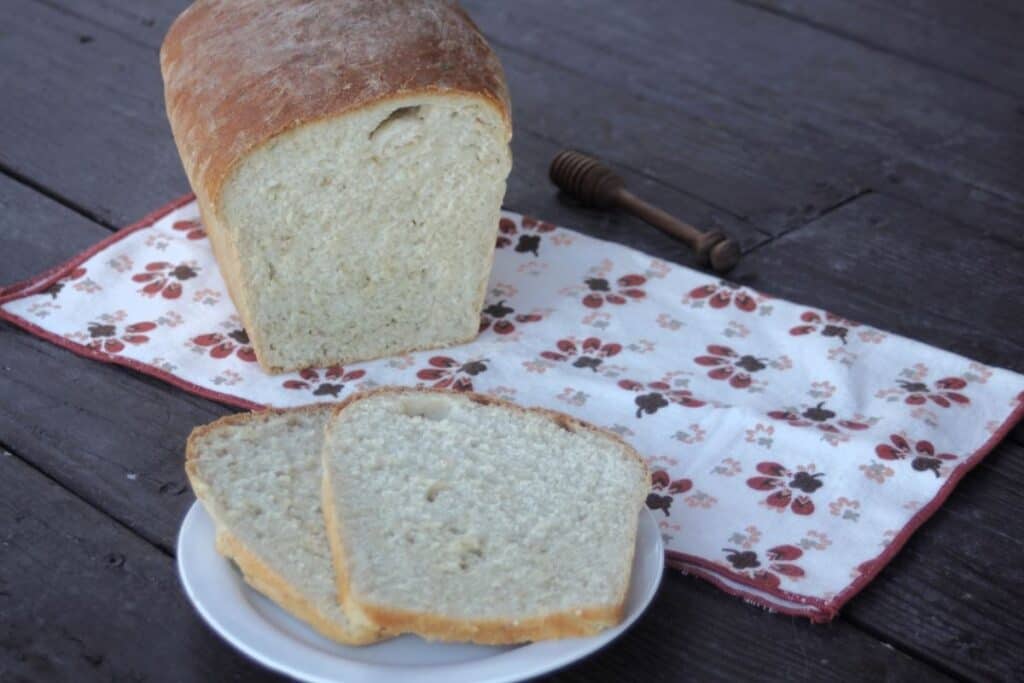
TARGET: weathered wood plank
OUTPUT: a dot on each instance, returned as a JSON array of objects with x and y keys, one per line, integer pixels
[
  {"x": 891, "y": 264},
  {"x": 85, "y": 599},
  {"x": 145, "y": 23},
  {"x": 688, "y": 636},
  {"x": 977, "y": 41},
  {"x": 83, "y": 115},
  {"x": 976, "y": 208},
  {"x": 530, "y": 190},
  {"x": 765, "y": 78},
  {"x": 28, "y": 224},
  {"x": 774, "y": 188}
]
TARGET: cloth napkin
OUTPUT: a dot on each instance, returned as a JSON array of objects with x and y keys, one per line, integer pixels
[{"x": 793, "y": 451}]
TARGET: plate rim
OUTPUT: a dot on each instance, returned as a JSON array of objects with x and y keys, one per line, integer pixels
[{"x": 354, "y": 670}]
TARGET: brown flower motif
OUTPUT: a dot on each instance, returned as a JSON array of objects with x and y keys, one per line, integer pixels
[
  {"x": 620, "y": 292},
  {"x": 111, "y": 339}
]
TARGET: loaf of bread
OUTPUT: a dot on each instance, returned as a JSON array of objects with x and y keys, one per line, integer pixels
[
  {"x": 463, "y": 517},
  {"x": 349, "y": 159},
  {"x": 258, "y": 476}
]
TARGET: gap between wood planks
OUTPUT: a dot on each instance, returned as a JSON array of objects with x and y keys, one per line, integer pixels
[
  {"x": 822, "y": 213},
  {"x": 169, "y": 552},
  {"x": 918, "y": 654},
  {"x": 768, "y": 7},
  {"x": 49, "y": 193}
]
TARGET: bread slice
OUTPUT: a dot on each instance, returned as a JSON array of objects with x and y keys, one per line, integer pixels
[
  {"x": 463, "y": 517},
  {"x": 258, "y": 475},
  {"x": 349, "y": 159}
]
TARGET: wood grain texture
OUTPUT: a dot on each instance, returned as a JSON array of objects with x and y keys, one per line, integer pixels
[
  {"x": 83, "y": 115},
  {"x": 530, "y": 190},
  {"x": 978, "y": 41},
  {"x": 85, "y": 599},
  {"x": 774, "y": 188},
  {"x": 769, "y": 81},
  {"x": 890, "y": 264},
  {"x": 693, "y": 632}
]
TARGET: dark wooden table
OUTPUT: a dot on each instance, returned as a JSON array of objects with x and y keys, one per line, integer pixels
[{"x": 869, "y": 154}]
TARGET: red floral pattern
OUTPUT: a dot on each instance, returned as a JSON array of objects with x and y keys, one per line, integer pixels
[
  {"x": 726, "y": 364},
  {"x": 448, "y": 373},
  {"x": 165, "y": 278},
  {"x": 782, "y": 482},
  {"x": 222, "y": 346},
  {"x": 722, "y": 293},
  {"x": 662, "y": 483},
  {"x": 656, "y": 395},
  {"x": 625, "y": 288},
  {"x": 922, "y": 454},
  {"x": 193, "y": 229},
  {"x": 499, "y": 317},
  {"x": 781, "y": 562},
  {"x": 111, "y": 338},
  {"x": 818, "y": 417},
  {"x": 327, "y": 382},
  {"x": 831, "y": 325},
  {"x": 527, "y": 243},
  {"x": 943, "y": 393},
  {"x": 590, "y": 353}
]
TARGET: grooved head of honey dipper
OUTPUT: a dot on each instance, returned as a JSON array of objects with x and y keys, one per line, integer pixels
[{"x": 585, "y": 178}]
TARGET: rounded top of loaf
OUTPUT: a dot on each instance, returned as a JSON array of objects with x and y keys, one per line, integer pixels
[{"x": 239, "y": 72}]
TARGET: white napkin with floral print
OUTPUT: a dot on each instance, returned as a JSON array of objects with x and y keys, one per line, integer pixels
[{"x": 793, "y": 451}]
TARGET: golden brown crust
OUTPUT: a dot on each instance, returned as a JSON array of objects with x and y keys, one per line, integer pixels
[
  {"x": 256, "y": 572},
  {"x": 239, "y": 72},
  {"x": 580, "y": 622},
  {"x": 235, "y": 419},
  {"x": 271, "y": 584},
  {"x": 230, "y": 265},
  {"x": 583, "y": 622},
  {"x": 337, "y": 547}
]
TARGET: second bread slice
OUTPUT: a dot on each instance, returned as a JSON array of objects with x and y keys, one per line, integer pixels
[{"x": 462, "y": 517}]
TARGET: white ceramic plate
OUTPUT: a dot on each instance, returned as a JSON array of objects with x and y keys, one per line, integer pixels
[{"x": 268, "y": 634}]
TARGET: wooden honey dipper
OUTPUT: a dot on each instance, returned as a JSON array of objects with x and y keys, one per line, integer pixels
[{"x": 594, "y": 184}]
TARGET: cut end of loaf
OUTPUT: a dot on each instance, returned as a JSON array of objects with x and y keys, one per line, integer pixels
[
  {"x": 367, "y": 234},
  {"x": 464, "y": 517}
]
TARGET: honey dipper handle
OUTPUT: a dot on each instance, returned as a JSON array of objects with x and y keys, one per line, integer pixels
[{"x": 594, "y": 184}]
